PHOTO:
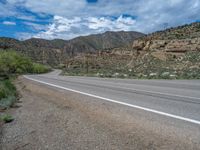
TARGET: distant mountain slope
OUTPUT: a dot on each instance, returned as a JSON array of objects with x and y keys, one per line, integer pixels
[
  {"x": 56, "y": 51},
  {"x": 170, "y": 54},
  {"x": 108, "y": 39},
  {"x": 180, "y": 32},
  {"x": 180, "y": 39}
]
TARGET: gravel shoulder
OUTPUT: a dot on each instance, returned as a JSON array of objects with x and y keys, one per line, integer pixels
[{"x": 55, "y": 119}]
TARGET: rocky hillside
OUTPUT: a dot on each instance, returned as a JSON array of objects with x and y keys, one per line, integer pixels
[
  {"x": 180, "y": 40},
  {"x": 56, "y": 51},
  {"x": 169, "y": 54}
]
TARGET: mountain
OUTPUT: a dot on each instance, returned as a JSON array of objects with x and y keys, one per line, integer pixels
[
  {"x": 180, "y": 39},
  {"x": 171, "y": 53},
  {"x": 57, "y": 51}
]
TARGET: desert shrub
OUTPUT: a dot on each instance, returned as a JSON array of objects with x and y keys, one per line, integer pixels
[
  {"x": 7, "y": 102},
  {"x": 12, "y": 62},
  {"x": 7, "y": 94},
  {"x": 60, "y": 66},
  {"x": 38, "y": 68},
  {"x": 192, "y": 57},
  {"x": 2, "y": 93},
  {"x": 6, "y": 118}
]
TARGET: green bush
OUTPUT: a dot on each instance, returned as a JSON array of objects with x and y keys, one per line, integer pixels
[
  {"x": 6, "y": 118},
  {"x": 7, "y": 94},
  {"x": 38, "y": 68},
  {"x": 7, "y": 102},
  {"x": 2, "y": 93},
  {"x": 12, "y": 62}
]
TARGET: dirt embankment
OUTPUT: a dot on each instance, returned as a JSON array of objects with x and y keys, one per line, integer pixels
[{"x": 50, "y": 118}]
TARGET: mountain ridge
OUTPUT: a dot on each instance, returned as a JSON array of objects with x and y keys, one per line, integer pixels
[
  {"x": 178, "y": 39},
  {"x": 169, "y": 54},
  {"x": 57, "y": 50}
]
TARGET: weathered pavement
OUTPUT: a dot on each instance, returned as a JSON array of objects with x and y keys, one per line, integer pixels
[
  {"x": 176, "y": 99},
  {"x": 52, "y": 118}
]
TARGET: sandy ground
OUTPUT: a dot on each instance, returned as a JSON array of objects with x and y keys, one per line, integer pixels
[{"x": 54, "y": 119}]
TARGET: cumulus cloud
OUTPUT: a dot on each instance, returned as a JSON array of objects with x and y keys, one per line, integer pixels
[
  {"x": 61, "y": 7},
  {"x": 78, "y": 17},
  {"x": 24, "y": 35},
  {"x": 68, "y": 8},
  {"x": 69, "y": 28},
  {"x": 35, "y": 26},
  {"x": 6, "y": 9},
  {"x": 9, "y": 23},
  {"x": 102, "y": 23}
]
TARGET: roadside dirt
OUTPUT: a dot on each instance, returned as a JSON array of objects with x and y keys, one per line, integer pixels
[{"x": 54, "y": 119}]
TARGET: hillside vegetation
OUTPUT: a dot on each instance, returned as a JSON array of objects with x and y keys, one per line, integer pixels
[
  {"x": 11, "y": 65},
  {"x": 179, "y": 40},
  {"x": 54, "y": 52},
  {"x": 150, "y": 65},
  {"x": 8, "y": 94},
  {"x": 187, "y": 31},
  {"x": 173, "y": 53},
  {"x": 170, "y": 54}
]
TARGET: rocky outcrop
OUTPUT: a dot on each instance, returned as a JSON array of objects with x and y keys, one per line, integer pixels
[
  {"x": 56, "y": 51},
  {"x": 175, "y": 45},
  {"x": 180, "y": 40}
]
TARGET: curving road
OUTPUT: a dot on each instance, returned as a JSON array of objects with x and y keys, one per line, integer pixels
[{"x": 173, "y": 99}]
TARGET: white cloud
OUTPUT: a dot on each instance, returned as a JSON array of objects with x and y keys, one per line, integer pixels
[
  {"x": 76, "y": 17},
  {"x": 102, "y": 23},
  {"x": 24, "y": 35},
  {"x": 70, "y": 28},
  {"x": 61, "y": 7},
  {"x": 35, "y": 26},
  {"x": 9, "y": 23},
  {"x": 7, "y": 10}
]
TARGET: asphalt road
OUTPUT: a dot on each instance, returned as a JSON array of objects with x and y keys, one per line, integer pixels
[{"x": 172, "y": 99}]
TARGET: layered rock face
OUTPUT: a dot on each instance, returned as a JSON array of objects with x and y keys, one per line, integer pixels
[
  {"x": 56, "y": 51},
  {"x": 180, "y": 40},
  {"x": 175, "y": 45}
]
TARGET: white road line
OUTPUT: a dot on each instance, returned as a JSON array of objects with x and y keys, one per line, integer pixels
[
  {"x": 153, "y": 92},
  {"x": 118, "y": 102}
]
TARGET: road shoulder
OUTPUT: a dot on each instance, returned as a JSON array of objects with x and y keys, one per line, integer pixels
[{"x": 51, "y": 118}]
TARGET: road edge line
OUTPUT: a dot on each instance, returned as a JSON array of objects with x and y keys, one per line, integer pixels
[{"x": 118, "y": 102}]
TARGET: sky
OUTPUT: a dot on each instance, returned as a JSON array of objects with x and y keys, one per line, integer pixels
[{"x": 67, "y": 19}]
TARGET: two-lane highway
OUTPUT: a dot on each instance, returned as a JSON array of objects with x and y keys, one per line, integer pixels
[{"x": 176, "y": 99}]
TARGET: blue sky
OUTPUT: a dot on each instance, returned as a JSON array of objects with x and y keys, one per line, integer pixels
[{"x": 66, "y": 19}]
